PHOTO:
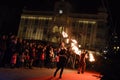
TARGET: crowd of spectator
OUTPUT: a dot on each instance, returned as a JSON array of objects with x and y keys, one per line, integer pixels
[{"x": 21, "y": 53}]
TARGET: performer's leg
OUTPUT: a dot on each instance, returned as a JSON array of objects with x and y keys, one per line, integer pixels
[
  {"x": 61, "y": 72},
  {"x": 83, "y": 67},
  {"x": 79, "y": 68},
  {"x": 56, "y": 71}
]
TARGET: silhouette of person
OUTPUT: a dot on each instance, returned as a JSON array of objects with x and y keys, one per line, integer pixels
[
  {"x": 62, "y": 60},
  {"x": 82, "y": 62}
]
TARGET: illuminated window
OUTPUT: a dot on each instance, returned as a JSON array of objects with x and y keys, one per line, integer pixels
[
  {"x": 35, "y": 26},
  {"x": 26, "y": 21},
  {"x": 36, "y": 22},
  {"x": 25, "y": 28},
  {"x": 35, "y": 29}
]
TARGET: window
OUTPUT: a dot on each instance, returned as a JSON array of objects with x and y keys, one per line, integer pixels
[
  {"x": 25, "y": 28},
  {"x": 46, "y": 22},
  {"x": 35, "y": 29},
  {"x": 36, "y": 22},
  {"x": 26, "y": 21}
]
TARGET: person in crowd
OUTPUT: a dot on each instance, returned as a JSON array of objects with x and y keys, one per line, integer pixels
[
  {"x": 82, "y": 62},
  {"x": 47, "y": 60},
  {"x": 14, "y": 60},
  {"x": 51, "y": 58},
  {"x": 62, "y": 60},
  {"x": 27, "y": 61},
  {"x": 3, "y": 48},
  {"x": 22, "y": 60},
  {"x": 32, "y": 55},
  {"x": 42, "y": 57}
]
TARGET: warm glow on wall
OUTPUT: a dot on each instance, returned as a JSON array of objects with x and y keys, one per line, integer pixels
[
  {"x": 85, "y": 21},
  {"x": 36, "y": 17}
]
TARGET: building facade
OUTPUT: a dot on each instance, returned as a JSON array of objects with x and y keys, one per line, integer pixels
[{"x": 90, "y": 30}]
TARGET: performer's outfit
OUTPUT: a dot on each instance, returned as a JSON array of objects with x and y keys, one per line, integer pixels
[
  {"x": 62, "y": 62},
  {"x": 82, "y": 64}
]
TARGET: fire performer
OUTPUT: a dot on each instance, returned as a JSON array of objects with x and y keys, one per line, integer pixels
[
  {"x": 62, "y": 60},
  {"x": 82, "y": 62}
]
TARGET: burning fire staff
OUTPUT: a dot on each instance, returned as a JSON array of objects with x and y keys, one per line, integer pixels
[
  {"x": 62, "y": 60},
  {"x": 82, "y": 62}
]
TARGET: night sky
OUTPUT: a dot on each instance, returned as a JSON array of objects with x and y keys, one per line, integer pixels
[{"x": 10, "y": 11}]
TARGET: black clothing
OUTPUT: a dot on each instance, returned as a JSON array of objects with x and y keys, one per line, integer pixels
[{"x": 62, "y": 62}]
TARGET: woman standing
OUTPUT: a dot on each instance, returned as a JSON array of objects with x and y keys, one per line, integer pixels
[{"x": 62, "y": 60}]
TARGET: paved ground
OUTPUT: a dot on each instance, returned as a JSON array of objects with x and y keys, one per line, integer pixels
[{"x": 44, "y": 74}]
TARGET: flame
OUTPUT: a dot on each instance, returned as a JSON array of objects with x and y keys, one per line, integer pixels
[
  {"x": 74, "y": 41},
  {"x": 75, "y": 48},
  {"x": 91, "y": 57},
  {"x": 67, "y": 41},
  {"x": 65, "y": 35}
]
